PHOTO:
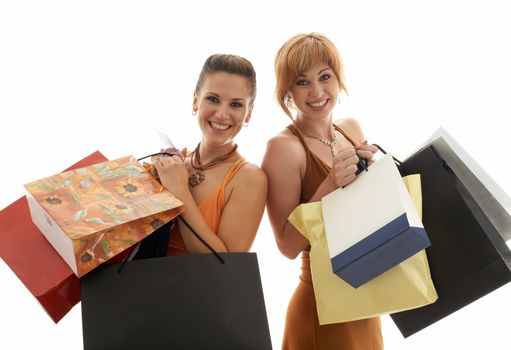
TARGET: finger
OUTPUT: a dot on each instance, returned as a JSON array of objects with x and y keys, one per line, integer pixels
[
  {"x": 183, "y": 153},
  {"x": 348, "y": 179},
  {"x": 371, "y": 148},
  {"x": 365, "y": 154},
  {"x": 346, "y": 153},
  {"x": 157, "y": 164},
  {"x": 352, "y": 160},
  {"x": 351, "y": 169}
]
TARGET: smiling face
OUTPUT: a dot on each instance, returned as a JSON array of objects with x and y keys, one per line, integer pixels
[
  {"x": 223, "y": 104},
  {"x": 315, "y": 92}
]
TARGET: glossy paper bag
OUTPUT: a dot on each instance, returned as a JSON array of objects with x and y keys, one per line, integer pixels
[
  {"x": 32, "y": 258},
  {"x": 371, "y": 224},
  {"x": 405, "y": 286},
  {"x": 91, "y": 214},
  {"x": 468, "y": 256}
]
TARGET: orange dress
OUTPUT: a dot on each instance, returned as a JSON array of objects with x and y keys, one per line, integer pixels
[
  {"x": 211, "y": 209},
  {"x": 302, "y": 330}
]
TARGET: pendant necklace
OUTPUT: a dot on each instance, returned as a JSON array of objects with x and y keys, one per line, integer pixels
[
  {"x": 198, "y": 176},
  {"x": 326, "y": 142}
]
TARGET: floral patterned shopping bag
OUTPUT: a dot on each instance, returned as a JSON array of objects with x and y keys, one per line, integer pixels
[{"x": 91, "y": 214}]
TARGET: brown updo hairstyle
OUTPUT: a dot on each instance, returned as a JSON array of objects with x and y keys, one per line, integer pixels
[
  {"x": 232, "y": 64},
  {"x": 297, "y": 55}
]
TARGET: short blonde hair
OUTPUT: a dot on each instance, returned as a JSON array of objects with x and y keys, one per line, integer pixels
[{"x": 297, "y": 55}]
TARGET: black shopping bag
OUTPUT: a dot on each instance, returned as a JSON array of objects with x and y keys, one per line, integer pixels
[
  {"x": 468, "y": 257},
  {"x": 198, "y": 301}
]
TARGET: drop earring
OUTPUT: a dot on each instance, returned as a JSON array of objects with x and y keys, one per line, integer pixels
[{"x": 194, "y": 113}]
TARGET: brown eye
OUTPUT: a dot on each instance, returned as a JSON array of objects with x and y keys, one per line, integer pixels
[{"x": 324, "y": 77}]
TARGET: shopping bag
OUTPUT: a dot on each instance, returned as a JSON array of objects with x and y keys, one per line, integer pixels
[
  {"x": 405, "y": 286},
  {"x": 176, "y": 302},
  {"x": 31, "y": 257},
  {"x": 91, "y": 214},
  {"x": 492, "y": 200},
  {"x": 371, "y": 224},
  {"x": 468, "y": 257}
]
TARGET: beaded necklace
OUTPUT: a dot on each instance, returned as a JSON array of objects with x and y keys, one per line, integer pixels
[{"x": 198, "y": 176}]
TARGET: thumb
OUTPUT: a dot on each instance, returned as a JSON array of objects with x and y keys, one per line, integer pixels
[{"x": 183, "y": 152}]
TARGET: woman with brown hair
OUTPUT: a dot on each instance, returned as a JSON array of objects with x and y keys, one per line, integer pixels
[{"x": 223, "y": 195}]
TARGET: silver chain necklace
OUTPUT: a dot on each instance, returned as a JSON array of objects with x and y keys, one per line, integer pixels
[{"x": 328, "y": 143}]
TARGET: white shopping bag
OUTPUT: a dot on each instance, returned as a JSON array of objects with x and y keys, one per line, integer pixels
[{"x": 372, "y": 225}]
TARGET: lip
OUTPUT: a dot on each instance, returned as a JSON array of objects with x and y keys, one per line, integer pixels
[
  {"x": 318, "y": 104},
  {"x": 218, "y": 126}
]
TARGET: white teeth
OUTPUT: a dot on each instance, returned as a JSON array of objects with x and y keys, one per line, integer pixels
[
  {"x": 219, "y": 126},
  {"x": 318, "y": 104}
]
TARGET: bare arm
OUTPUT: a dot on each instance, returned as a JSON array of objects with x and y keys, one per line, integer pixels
[
  {"x": 281, "y": 164},
  {"x": 241, "y": 216},
  {"x": 284, "y": 164}
]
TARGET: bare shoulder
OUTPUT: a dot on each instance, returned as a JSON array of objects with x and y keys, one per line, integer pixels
[
  {"x": 352, "y": 127},
  {"x": 251, "y": 174},
  {"x": 284, "y": 145}
]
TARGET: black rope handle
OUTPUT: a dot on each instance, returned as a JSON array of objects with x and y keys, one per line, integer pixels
[
  {"x": 158, "y": 154},
  {"x": 385, "y": 152},
  {"x": 201, "y": 239},
  {"x": 134, "y": 252}
]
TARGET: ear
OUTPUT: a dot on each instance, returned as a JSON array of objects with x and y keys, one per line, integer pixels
[
  {"x": 249, "y": 115},
  {"x": 195, "y": 105},
  {"x": 288, "y": 100}
]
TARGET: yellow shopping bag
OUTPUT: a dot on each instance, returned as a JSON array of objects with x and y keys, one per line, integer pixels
[{"x": 405, "y": 286}]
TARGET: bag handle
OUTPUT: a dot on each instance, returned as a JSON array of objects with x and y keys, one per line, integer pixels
[
  {"x": 134, "y": 252},
  {"x": 173, "y": 152},
  {"x": 137, "y": 247},
  {"x": 201, "y": 239},
  {"x": 158, "y": 154},
  {"x": 398, "y": 162},
  {"x": 362, "y": 166}
]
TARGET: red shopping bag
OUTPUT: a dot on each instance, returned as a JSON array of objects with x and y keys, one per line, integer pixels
[{"x": 27, "y": 252}]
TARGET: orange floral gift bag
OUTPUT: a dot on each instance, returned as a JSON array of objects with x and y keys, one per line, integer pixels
[{"x": 91, "y": 214}]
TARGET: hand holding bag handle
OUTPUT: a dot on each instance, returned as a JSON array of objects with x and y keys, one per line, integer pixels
[
  {"x": 147, "y": 247},
  {"x": 398, "y": 162}
]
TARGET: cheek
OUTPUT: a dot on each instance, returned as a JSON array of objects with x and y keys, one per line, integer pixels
[
  {"x": 239, "y": 116},
  {"x": 299, "y": 96}
]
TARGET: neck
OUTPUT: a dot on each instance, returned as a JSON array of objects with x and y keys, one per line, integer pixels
[
  {"x": 317, "y": 128},
  {"x": 209, "y": 153}
]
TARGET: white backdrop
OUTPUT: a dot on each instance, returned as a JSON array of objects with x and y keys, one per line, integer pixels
[{"x": 76, "y": 77}]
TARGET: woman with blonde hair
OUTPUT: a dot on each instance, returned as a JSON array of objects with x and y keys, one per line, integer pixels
[{"x": 310, "y": 158}]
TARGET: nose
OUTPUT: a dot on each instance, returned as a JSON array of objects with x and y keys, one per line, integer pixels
[
  {"x": 222, "y": 111},
  {"x": 316, "y": 90}
]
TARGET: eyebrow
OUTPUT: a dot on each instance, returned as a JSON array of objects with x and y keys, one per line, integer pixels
[
  {"x": 321, "y": 71},
  {"x": 217, "y": 95}
]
